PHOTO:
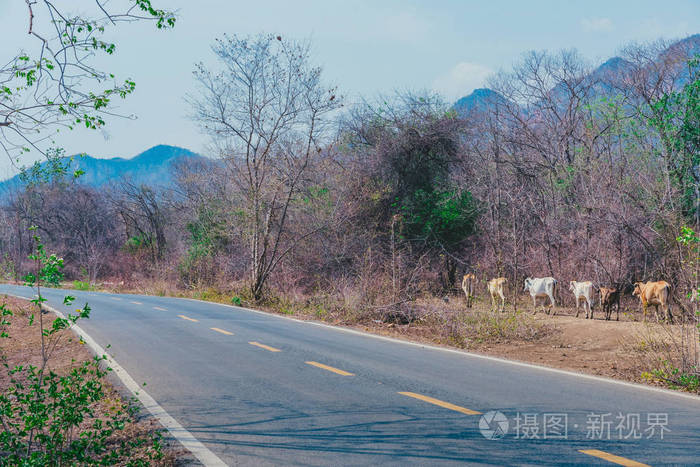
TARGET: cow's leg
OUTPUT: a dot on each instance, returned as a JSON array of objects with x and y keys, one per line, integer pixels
[
  {"x": 666, "y": 313},
  {"x": 534, "y": 305},
  {"x": 618, "y": 311},
  {"x": 576, "y": 308},
  {"x": 552, "y": 304},
  {"x": 587, "y": 306}
]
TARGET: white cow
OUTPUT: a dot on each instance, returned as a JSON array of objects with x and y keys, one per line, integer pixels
[
  {"x": 584, "y": 290},
  {"x": 541, "y": 287}
]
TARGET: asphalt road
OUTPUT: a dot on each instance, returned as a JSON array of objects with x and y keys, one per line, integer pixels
[{"x": 259, "y": 389}]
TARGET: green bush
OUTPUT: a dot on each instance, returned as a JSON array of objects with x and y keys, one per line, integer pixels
[
  {"x": 49, "y": 419},
  {"x": 675, "y": 378},
  {"x": 82, "y": 285}
]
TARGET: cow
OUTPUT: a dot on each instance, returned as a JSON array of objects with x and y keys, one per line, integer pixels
[
  {"x": 541, "y": 287},
  {"x": 468, "y": 283},
  {"x": 584, "y": 290},
  {"x": 496, "y": 287},
  {"x": 609, "y": 297},
  {"x": 654, "y": 293}
]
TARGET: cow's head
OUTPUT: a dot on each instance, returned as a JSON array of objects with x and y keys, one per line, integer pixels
[
  {"x": 572, "y": 285},
  {"x": 638, "y": 289},
  {"x": 528, "y": 282}
]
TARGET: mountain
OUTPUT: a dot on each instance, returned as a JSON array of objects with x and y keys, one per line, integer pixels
[
  {"x": 480, "y": 100},
  {"x": 611, "y": 72},
  {"x": 153, "y": 167}
]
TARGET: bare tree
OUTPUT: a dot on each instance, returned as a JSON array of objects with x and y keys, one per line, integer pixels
[
  {"x": 76, "y": 220},
  {"x": 143, "y": 213},
  {"x": 55, "y": 85},
  {"x": 266, "y": 111}
]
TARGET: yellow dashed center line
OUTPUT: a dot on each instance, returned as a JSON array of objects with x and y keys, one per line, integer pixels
[
  {"x": 329, "y": 368},
  {"x": 159, "y": 308},
  {"x": 115, "y": 298},
  {"x": 444, "y": 404},
  {"x": 266, "y": 347},
  {"x": 188, "y": 319},
  {"x": 136, "y": 303},
  {"x": 612, "y": 458},
  {"x": 222, "y": 331}
]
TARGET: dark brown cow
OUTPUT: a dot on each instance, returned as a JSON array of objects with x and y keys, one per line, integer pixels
[
  {"x": 609, "y": 297},
  {"x": 654, "y": 293}
]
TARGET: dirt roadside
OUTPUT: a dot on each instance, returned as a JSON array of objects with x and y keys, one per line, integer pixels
[{"x": 627, "y": 349}]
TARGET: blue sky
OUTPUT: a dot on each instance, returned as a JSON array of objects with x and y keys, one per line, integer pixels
[{"x": 365, "y": 47}]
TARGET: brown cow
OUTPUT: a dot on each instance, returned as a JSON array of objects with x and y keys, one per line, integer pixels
[
  {"x": 608, "y": 298},
  {"x": 496, "y": 287},
  {"x": 654, "y": 293},
  {"x": 468, "y": 282}
]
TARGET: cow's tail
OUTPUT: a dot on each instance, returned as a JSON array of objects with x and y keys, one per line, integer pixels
[{"x": 555, "y": 292}]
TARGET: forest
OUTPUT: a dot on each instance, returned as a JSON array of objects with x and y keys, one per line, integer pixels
[{"x": 561, "y": 169}]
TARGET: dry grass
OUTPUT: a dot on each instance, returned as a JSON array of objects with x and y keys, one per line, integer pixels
[{"x": 668, "y": 354}]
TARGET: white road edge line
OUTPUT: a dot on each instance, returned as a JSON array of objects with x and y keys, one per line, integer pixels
[
  {"x": 602, "y": 379},
  {"x": 192, "y": 444}
]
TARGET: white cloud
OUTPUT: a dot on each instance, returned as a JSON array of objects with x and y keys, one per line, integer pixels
[
  {"x": 597, "y": 24},
  {"x": 461, "y": 80}
]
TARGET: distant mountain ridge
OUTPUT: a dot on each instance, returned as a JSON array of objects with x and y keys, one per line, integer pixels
[
  {"x": 483, "y": 99},
  {"x": 152, "y": 167}
]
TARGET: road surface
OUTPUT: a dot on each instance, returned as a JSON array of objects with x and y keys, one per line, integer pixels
[{"x": 260, "y": 389}]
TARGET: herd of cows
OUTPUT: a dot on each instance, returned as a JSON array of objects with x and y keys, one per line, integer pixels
[{"x": 649, "y": 293}]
